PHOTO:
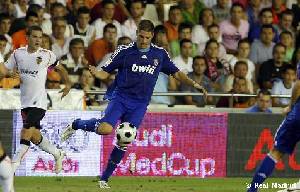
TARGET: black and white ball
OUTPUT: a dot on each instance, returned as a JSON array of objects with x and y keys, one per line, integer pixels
[{"x": 126, "y": 133}]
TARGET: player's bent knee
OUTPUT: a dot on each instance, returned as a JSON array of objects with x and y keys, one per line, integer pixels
[{"x": 104, "y": 129}]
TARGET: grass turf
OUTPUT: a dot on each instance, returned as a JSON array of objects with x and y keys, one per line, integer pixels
[{"x": 139, "y": 184}]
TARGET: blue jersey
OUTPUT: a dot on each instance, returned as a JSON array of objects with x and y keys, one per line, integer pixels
[{"x": 137, "y": 71}]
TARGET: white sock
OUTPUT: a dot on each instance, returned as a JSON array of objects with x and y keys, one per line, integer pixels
[
  {"x": 45, "y": 145},
  {"x": 19, "y": 156},
  {"x": 6, "y": 175}
]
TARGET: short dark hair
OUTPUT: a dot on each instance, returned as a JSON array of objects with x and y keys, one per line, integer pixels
[
  {"x": 109, "y": 26},
  {"x": 236, "y": 5},
  {"x": 239, "y": 63},
  {"x": 286, "y": 12},
  {"x": 278, "y": 45},
  {"x": 199, "y": 57},
  {"x": 285, "y": 33},
  {"x": 83, "y": 10},
  {"x": 76, "y": 41},
  {"x": 106, "y": 2},
  {"x": 267, "y": 26},
  {"x": 245, "y": 40},
  {"x": 212, "y": 26},
  {"x": 288, "y": 67},
  {"x": 265, "y": 10},
  {"x": 4, "y": 16},
  {"x": 30, "y": 14},
  {"x": 184, "y": 41},
  {"x": 174, "y": 7},
  {"x": 34, "y": 8},
  {"x": 55, "y": 5},
  {"x": 264, "y": 92},
  {"x": 33, "y": 28},
  {"x": 211, "y": 41},
  {"x": 146, "y": 25},
  {"x": 184, "y": 25},
  {"x": 123, "y": 38},
  {"x": 136, "y": 1},
  {"x": 3, "y": 38}
]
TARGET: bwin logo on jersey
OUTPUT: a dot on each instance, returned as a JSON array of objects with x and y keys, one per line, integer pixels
[{"x": 147, "y": 69}]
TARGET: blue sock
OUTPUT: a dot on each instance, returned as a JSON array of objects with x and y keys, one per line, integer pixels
[
  {"x": 86, "y": 125},
  {"x": 262, "y": 173},
  {"x": 115, "y": 158}
]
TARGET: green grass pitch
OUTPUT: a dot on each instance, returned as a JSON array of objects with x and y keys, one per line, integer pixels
[{"x": 140, "y": 184}]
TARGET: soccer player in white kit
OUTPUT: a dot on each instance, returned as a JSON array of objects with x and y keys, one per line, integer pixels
[
  {"x": 31, "y": 63},
  {"x": 6, "y": 173}
]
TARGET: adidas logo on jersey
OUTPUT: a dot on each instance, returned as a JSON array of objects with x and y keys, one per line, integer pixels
[
  {"x": 143, "y": 69},
  {"x": 144, "y": 57}
]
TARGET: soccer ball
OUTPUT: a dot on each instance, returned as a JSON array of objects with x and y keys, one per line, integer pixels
[{"x": 126, "y": 133}]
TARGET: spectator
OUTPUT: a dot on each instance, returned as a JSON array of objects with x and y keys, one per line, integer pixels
[
  {"x": 72, "y": 13},
  {"x": 184, "y": 61},
  {"x": 284, "y": 86},
  {"x": 286, "y": 38},
  {"x": 243, "y": 55},
  {"x": 263, "y": 103},
  {"x": 121, "y": 12},
  {"x": 53, "y": 80},
  {"x": 3, "y": 43},
  {"x": 137, "y": 8},
  {"x": 172, "y": 25},
  {"x": 191, "y": 10},
  {"x": 100, "y": 47},
  {"x": 36, "y": 8},
  {"x": 239, "y": 87},
  {"x": 185, "y": 32},
  {"x": 271, "y": 70},
  {"x": 108, "y": 10},
  {"x": 82, "y": 28},
  {"x": 261, "y": 50},
  {"x": 253, "y": 10},
  {"x": 197, "y": 74},
  {"x": 200, "y": 31},
  {"x": 163, "y": 83},
  {"x": 75, "y": 61},
  {"x": 296, "y": 11},
  {"x": 20, "y": 9},
  {"x": 57, "y": 10},
  {"x": 234, "y": 29},
  {"x": 60, "y": 44},
  {"x": 7, "y": 7},
  {"x": 19, "y": 38},
  {"x": 216, "y": 71},
  {"x": 296, "y": 57},
  {"x": 240, "y": 71},
  {"x": 278, "y": 6},
  {"x": 5, "y": 23},
  {"x": 213, "y": 33},
  {"x": 87, "y": 83},
  {"x": 221, "y": 10},
  {"x": 285, "y": 22},
  {"x": 265, "y": 18}
]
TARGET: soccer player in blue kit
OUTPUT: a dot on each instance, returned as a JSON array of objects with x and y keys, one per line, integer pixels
[
  {"x": 138, "y": 65},
  {"x": 286, "y": 138}
]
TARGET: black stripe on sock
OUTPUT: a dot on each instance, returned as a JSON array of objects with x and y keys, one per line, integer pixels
[
  {"x": 25, "y": 142},
  {"x": 2, "y": 157}
]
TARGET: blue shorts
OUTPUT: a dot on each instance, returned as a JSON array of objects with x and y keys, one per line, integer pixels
[
  {"x": 125, "y": 111},
  {"x": 288, "y": 133}
]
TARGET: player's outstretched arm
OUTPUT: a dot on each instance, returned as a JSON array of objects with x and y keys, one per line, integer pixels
[
  {"x": 65, "y": 78},
  {"x": 182, "y": 77},
  {"x": 98, "y": 74}
]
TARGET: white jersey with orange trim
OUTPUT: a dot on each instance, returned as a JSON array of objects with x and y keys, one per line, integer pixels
[{"x": 33, "y": 74}]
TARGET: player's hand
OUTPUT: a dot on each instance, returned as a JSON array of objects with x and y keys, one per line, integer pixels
[
  {"x": 65, "y": 90},
  {"x": 286, "y": 110},
  {"x": 92, "y": 69},
  {"x": 201, "y": 89}
]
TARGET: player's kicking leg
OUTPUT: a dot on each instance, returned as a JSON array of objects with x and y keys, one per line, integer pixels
[
  {"x": 31, "y": 133},
  {"x": 6, "y": 172}
]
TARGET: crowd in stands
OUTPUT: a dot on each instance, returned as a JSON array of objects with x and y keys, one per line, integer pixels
[{"x": 228, "y": 46}]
